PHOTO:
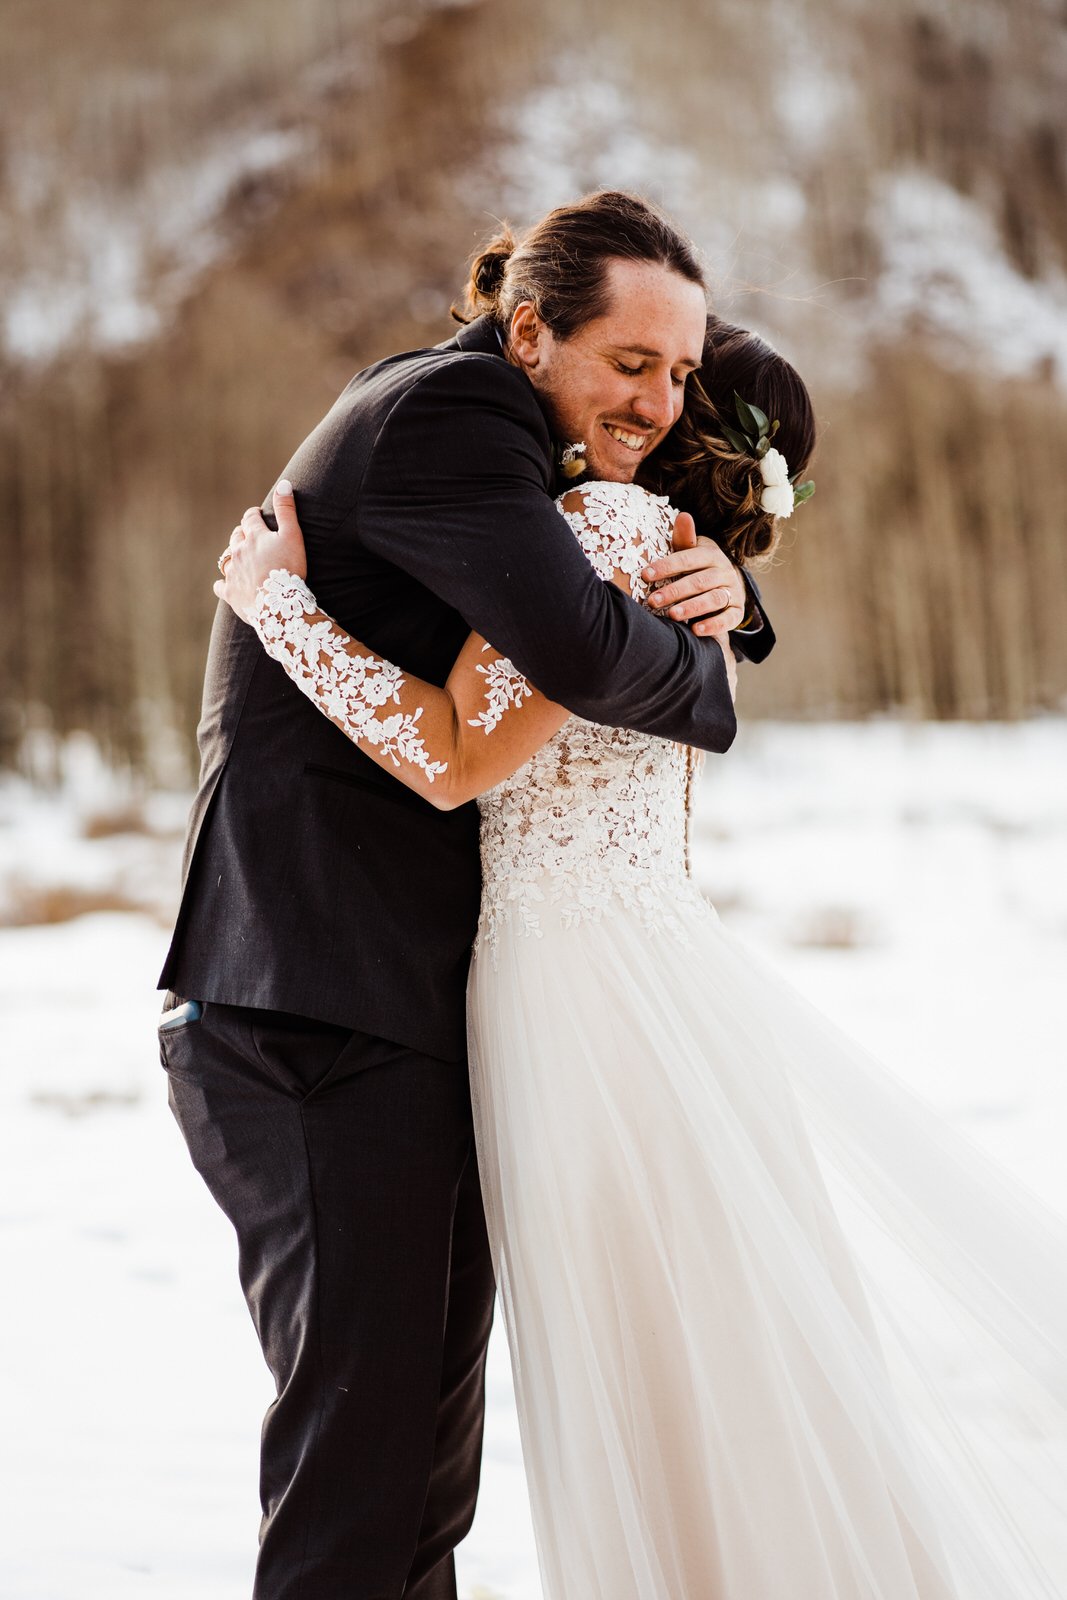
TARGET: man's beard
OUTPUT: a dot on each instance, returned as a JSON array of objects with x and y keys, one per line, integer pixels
[{"x": 602, "y": 461}]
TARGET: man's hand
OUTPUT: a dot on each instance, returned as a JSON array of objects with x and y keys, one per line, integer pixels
[
  {"x": 702, "y": 587},
  {"x": 254, "y": 551}
]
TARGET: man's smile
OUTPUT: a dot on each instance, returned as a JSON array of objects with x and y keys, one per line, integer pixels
[{"x": 634, "y": 442}]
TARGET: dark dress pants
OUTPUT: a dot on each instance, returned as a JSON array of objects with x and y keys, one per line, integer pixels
[{"x": 346, "y": 1164}]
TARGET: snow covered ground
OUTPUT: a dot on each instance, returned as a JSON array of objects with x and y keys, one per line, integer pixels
[{"x": 911, "y": 879}]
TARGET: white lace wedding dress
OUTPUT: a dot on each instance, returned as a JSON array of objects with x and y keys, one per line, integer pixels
[
  {"x": 777, "y": 1331},
  {"x": 761, "y": 1302}
]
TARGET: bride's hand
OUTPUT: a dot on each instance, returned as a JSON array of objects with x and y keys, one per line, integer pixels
[{"x": 254, "y": 551}]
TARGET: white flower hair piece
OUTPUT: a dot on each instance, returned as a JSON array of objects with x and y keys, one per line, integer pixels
[
  {"x": 781, "y": 493},
  {"x": 779, "y": 497}
]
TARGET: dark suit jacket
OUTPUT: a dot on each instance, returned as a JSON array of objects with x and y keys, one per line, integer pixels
[{"x": 314, "y": 883}]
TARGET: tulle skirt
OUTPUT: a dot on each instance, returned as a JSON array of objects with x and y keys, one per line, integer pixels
[{"x": 778, "y": 1332}]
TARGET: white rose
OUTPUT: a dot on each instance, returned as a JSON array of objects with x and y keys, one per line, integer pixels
[
  {"x": 777, "y": 498},
  {"x": 773, "y": 469}
]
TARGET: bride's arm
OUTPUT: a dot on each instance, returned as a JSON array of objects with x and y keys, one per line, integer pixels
[{"x": 447, "y": 744}]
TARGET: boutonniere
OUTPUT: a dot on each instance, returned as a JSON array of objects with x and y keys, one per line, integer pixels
[{"x": 571, "y": 457}]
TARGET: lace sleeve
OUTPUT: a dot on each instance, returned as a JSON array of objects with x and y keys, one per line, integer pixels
[
  {"x": 349, "y": 685},
  {"x": 621, "y": 527},
  {"x": 434, "y": 738},
  {"x": 431, "y": 737},
  {"x": 505, "y": 689}
]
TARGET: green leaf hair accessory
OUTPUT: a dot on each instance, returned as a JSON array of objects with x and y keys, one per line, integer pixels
[
  {"x": 572, "y": 462},
  {"x": 752, "y": 437}
]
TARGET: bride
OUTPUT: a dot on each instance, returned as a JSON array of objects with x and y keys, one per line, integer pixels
[{"x": 778, "y": 1332}]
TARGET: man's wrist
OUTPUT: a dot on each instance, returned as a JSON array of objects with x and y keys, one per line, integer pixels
[{"x": 752, "y": 621}]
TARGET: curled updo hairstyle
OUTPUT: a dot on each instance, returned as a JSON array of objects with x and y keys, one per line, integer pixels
[
  {"x": 559, "y": 263},
  {"x": 697, "y": 467}
]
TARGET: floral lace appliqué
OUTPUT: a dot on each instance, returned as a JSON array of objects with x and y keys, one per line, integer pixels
[
  {"x": 621, "y": 528},
  {"x": 352, "y": 688},
  {"x": 595, "y": 822},
  {"x": 505, "y": 687}
]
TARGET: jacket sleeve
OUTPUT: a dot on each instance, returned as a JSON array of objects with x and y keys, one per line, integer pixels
[
  {"x": 458, "y": 494},
  {"x": 756, "y": 642}
]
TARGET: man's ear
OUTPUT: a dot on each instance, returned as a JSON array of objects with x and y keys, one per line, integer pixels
[{"x": 526, "y": 336}]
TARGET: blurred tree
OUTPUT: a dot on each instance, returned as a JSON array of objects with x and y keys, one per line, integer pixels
[{"x": 217, "y": 214}]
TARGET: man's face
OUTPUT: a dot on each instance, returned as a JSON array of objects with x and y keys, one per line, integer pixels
[{"x": 619, "y": 383}]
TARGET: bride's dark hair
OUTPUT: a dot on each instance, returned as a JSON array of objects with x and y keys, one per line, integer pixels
[{"x": 698, "y": 468}]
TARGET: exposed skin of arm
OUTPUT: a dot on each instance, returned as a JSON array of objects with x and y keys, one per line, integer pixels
[{"x": 447, "y": 744}]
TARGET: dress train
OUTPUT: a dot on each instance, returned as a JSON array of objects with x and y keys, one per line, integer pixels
[{"x": 750, "y": 1282}]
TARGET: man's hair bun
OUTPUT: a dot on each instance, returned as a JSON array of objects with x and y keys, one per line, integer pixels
[
  {"x": 487, "y": 272},
  {"x": 487, "y": 276}
]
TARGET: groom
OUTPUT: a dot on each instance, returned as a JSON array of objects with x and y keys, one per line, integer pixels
[{"x": 314, "y": 1035}]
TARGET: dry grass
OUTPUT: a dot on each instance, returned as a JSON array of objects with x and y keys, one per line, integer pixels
[
  {"x": 930, "y": 571},
  {"x": 832, "y": 928},
  {"x": 86, "y": 1103},
  {"x": 111, "y": 824},
  {"x": 31, "y": 905}
]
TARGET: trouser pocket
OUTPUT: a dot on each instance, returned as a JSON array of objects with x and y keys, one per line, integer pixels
[
  {"x": 179, "y": 1014},
  {"x": 179, "y": 1017}
]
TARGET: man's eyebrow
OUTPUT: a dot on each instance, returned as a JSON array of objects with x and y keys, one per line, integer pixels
[{"x": 654, "y": 355}]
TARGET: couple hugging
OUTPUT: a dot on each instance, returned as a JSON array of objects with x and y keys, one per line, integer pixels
[{"x": 424, "y": 1051}]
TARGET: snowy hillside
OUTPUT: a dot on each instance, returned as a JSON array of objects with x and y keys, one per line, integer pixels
[{"x": 933, "y": 133}]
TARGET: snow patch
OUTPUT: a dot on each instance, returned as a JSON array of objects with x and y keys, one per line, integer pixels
[
  {"x": 576, "y": 135},
  {"x": 945, "y": 274},
  {"x": 117, "y": 264},
  {"x": 812, "y": 94},
  {"x": 132, "y": 1381}
]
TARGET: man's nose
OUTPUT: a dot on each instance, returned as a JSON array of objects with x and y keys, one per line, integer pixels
[{"x": 657, "y": 400}]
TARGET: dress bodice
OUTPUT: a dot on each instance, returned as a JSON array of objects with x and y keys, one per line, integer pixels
[{"x": 598, "y": 816}]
